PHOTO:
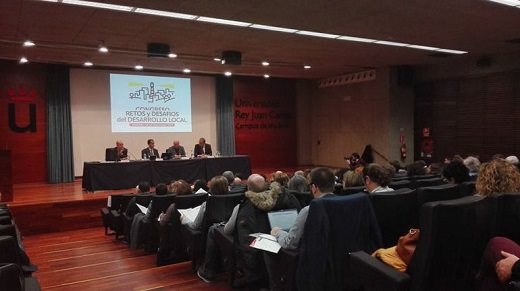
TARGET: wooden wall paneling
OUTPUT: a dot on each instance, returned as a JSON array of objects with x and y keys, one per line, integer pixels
[{"x": 6, "y": 176}]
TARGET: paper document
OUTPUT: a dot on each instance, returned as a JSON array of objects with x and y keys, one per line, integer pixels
[
  {"x": 265, "y": 242},
  {"x": 201, "y": 191},
  {"x": 190, "y": 213},
  {"x": 142, "y": 208}
]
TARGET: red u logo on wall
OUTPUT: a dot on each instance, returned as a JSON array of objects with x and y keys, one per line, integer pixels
[{"x": 21, "y": 96}]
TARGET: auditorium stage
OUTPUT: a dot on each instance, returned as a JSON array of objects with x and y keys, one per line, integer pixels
[{"x": 44, "y": 208}]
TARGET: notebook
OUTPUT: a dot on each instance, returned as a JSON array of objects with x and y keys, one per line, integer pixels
[
  {"x": 166, "y": 156},
  {"x": 283, "y": 219}
]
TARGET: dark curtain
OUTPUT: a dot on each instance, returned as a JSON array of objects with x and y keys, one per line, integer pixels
[
  {"x": 60, "y": 160},
  {"x": 225, "y": 117}
]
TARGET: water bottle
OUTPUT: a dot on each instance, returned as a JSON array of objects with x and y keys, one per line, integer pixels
[{"x": 191, "y": 156}]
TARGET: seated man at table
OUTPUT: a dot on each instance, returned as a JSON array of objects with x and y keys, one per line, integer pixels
[
  {"x": 202, "y": 149},
  {"x": 150, "y": 150},
  {"x": 177, "y": 150},
  {"x": 118, "y": 153}
]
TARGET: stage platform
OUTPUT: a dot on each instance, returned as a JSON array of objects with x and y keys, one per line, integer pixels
[{"x": 44, "y": 208}]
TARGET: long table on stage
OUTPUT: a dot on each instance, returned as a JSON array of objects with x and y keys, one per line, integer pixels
[{"x": 126, "y": 175}]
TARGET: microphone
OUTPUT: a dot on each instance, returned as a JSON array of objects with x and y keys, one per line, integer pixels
[{"x": 132, "y": 155}]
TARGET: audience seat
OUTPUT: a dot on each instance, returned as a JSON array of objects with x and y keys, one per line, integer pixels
[
  {"x": 437, "y": 193},
  {"x": 508, "y": 216},
  {"x": 172, "y": 247},
  {"x": 467, "y": 188},
  {"x": 116, "y": 216},
  {"x": 396, "y": 213},
  {"x": 351, "y": 190},
  {"x": 428, "y": 182},
  {"x": 132, "y": 210},
  {"x": 400, "y": 184},
  {"x": 12, "y": 279},
  {"x": 113, "y": 203},
  {"x": 150, "y": 234},
  {"x": 218, "y": 209},
  {"x": 453, "y": 236},
  {"x": 304, "y": 198}
]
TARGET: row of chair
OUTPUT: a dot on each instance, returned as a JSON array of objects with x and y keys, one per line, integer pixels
[{"x": 15, "y": 267}]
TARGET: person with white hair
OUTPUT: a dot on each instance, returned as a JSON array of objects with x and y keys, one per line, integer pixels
[
  {"x": 513, "y": 160},
  {"x": 473, "y": 164}
]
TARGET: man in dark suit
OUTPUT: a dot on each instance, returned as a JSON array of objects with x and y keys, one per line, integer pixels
[
  {"x": 150, "y": 150},
  {"x": 118, "y": 153},
  {"x": 202, "y": 149}
]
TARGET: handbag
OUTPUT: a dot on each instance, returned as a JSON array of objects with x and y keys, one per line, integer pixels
[{"x": 406, "y": 244}]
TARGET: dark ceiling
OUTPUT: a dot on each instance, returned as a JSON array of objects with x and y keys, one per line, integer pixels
[{"x": 66, "y": 33}]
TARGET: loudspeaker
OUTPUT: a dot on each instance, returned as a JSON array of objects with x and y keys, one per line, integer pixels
[
  {"x": 158, "y": 50},
  {"x": 231, "y": 58},
  {"x": 405, "y": 76}
]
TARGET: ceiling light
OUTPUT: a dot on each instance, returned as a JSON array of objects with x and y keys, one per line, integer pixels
[
  {"x": 217, "y": 59},
  {"x": 452, "y": 51},
  {"x": 138, "y": 67},
  {"x": 103, "y": 49},
  {"x": 187, "y": 71},
  {"x": 265, "y": 63},
  {"x": 273, "y": 28},
  {"x": 317, "y": 34},
  {"x": 266, "y": 76},
  {"x": 165, "y": 13},
  {"x": 228, "y": 74},
  {"x": 514, "y": 3},
  {"x": 391, "y": 43},
  {"x": 28, "y": 43},
  {"x": 23, "y": 60},
  {"x": 306, "y": 67},
  {"x": 422, "y": 47},
  {"x": 99, "y": 5},
  {"x": 88, "y": 64},
  {"x": 223, "y": 21},
  {"x": 172, "y": 55},
  {"x": 358, "y": 39}
]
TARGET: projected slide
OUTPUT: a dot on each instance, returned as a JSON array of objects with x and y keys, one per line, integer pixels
[{"x": 150, "y": 103}]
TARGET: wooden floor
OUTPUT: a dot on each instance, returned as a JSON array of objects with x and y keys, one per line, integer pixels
[{"x": 88, "y": 260}]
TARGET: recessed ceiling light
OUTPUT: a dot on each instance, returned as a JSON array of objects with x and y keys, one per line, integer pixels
[
  {"x": 99, "y": 5},
  {"x": 423, "y": 47},
  {"x": 358, "y": 39},
  {"x": 452, "y": 51},
  {"x": 187, "y": 71},
  {"x": 88, "y": 64},
  {"x": 23, "y": 60},
  {"x": 172, "y": 55},
  {"x": 393, "y": 43},
  {"x": 514, "y": 3},
  {"x": 138, "y": 67},
  {"x": 217, "y": 59},
  {"x": 306, "y": 67},
  {"x": 228, "y": 74},
  {"x": 274, "y": 28},
  {"x": 317, "y": 34},
  {"x": 266, "y": 76},
  {"x": 264, "y": 63},
  {"x": 28, "y": 43},
  {"x": 103, "y": 49},
  {"x": 165, "y": 13}
]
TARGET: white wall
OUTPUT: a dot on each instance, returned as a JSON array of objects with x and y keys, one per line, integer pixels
[{"x": 91, "y": 126}]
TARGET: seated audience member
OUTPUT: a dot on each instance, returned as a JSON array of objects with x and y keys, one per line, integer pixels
[
  {"x": 252, "y": 218},
  {"x": 217, "y": 186},
  {"x": 497, "y": 176},
  {"x": 377, "y": 178},
  {"x": 131, "y": 208},
  {"x": 321, "y": 185},
  {"x": 140, "y": 218},
  {"x": 299, "y": 172},
  {"x": 280, "y": 177},
  {"x": 417, "y": 168},
  {"x": 200, "y": 184},
  {"x": 434, "y": 169},
  {"x": 179, "y": 187},
  {"x": 118, "y": 153},
  {"x": 513, "y": 160},
  {"x": 455, "y": 172},
  {"x": 150, "y": 151},
  {"x": 352, "y": 179},
  {"x": 176, "y": 149},
  {"x": 233, "y": 187},
  {"x": 354, "y": 161},
  {"x": 299, "y": 184},
  {"x": 473, "y": 165},
  {"x": 202, "y": 149},
  {"x": 499, "y": 265},
  {"x": 398, "y": 168}
]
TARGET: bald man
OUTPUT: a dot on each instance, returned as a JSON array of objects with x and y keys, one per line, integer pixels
[{"x": 176, "y": 149}]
